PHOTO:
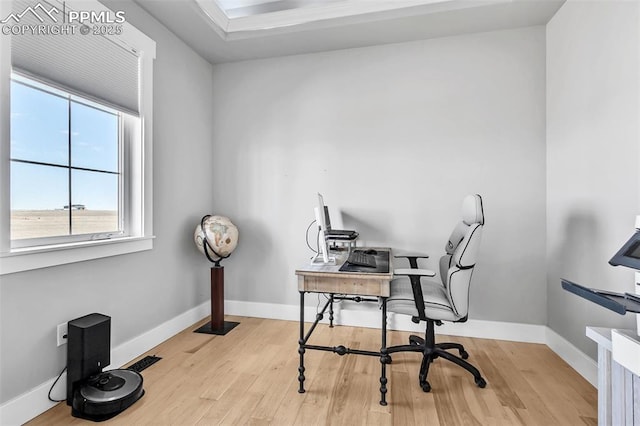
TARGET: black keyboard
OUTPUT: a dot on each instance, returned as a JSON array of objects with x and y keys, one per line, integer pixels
[{"x": 362, "y": 259}]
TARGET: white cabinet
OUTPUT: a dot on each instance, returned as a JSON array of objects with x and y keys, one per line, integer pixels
[{"x": 618, "y": 387}]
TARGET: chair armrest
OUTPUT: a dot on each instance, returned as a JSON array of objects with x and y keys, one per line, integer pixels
[
  {"x": 412, "y": 258},
  {"x": 414, "y": 275},
  {"x": 414, "y": 272},
  {"x": 408, "y": 255}
]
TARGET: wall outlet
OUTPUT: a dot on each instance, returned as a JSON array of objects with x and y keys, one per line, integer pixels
[{"x": 62, "y": 334}]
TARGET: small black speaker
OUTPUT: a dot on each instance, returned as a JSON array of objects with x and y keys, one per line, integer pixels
[{"x": 88, "y": 349}]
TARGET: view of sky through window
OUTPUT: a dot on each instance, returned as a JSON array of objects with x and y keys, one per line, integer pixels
[
  {"x": 40, "y": 133},
  {"x": 64, "y": 165}
]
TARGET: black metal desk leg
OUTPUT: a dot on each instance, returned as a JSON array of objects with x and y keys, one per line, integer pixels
[
  {"x": 301, "y": 345},
  {"x": 384, "y": 357},
  {"x": 331, "y": 311}
]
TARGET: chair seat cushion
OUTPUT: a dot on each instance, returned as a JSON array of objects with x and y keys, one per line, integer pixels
[{"x": 436, "y": 302}]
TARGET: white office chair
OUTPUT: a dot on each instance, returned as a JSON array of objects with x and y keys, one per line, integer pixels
[{"x": 447, "y": 300}]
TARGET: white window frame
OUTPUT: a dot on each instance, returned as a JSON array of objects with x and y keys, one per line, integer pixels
[
  {"x": 139, "y": 169},
  {"x": 123, "y": 158}
]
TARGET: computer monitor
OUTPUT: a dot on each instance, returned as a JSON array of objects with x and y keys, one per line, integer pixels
[
  {"x": 629, "y": 253},
  {"x": 322, "y": 214},
  {"x": 324, "y": 221}
]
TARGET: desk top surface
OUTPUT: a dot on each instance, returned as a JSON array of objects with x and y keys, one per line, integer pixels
[{"x": 322, "y": 269}]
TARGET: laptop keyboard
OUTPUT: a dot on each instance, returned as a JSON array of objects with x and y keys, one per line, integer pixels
[{"x": 362, "y": 259}]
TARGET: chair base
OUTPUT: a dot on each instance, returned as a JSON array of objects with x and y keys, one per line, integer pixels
[{"x": 431, "y": 351}]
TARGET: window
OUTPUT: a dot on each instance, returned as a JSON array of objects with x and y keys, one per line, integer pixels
[
  {"x": 75, "y": 136},
  {"x": 65, "y": 167}
]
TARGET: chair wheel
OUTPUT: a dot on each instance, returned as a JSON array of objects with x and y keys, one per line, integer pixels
[
  {"x": 481, "y": 382},
  {"x": 464, "y": 354},
  {"x": 426, "y": 387}
]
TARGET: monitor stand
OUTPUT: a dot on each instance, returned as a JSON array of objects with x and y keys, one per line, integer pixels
[
  {"x": 318, "y": 259},
  {"x": 323, "y": 255}
]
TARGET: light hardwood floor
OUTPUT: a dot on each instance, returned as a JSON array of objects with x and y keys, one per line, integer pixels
[{"x": 250, "y": 376}]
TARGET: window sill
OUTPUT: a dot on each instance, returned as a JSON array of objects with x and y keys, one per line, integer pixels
[{"x": 27, "y": 259}]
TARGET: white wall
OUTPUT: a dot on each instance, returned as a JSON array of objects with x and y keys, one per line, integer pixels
[
  {"x": 394, "y": 137},
  {"x": 142, "y": 290},
  {"x": 592, "y": 158}
]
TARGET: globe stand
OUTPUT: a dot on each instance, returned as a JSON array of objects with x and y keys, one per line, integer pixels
[{"x": 217, "y": 325}]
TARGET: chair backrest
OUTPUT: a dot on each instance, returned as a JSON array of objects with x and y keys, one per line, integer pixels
[{"x": 456, "y": 266}]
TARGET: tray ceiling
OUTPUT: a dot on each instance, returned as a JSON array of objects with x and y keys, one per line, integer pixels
[{"x": 232, "y": 30}]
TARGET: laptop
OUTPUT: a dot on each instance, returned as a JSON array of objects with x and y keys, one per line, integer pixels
[{"x": 334, "y": 234}]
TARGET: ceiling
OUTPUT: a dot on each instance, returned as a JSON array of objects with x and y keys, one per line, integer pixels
[
  {"x": 233, "y": 30},
  {"x": 242, "y": 8}
]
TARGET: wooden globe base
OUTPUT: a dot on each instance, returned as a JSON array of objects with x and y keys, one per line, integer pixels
[{"x": 217, "y": 325}]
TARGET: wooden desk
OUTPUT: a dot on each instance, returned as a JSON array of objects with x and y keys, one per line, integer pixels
[{"x": 356, "y": 286}]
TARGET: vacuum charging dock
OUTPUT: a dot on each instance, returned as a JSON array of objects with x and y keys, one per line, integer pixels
[{"x": 91, "y": 393}]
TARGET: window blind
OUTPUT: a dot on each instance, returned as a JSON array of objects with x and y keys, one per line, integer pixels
[{"x": 92, "y": 66}]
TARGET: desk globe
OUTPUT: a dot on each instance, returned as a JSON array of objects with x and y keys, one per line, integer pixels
[
  {"x": 220, "y": 235},
  {"x": 216, "y": 237}
]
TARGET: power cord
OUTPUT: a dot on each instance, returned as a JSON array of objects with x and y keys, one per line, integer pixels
[
  {"x": 335, "y": 302},
  {"x": 53, "y": 385},
  {"x": 306, "y": 236}
]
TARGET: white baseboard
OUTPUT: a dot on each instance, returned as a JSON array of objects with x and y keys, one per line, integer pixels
[
  {"x": 135, "y": 347},
  {"x": 355, "y": 315},
  {"x": 578, "y": 360},
  {"x": 34, "y": 402}
]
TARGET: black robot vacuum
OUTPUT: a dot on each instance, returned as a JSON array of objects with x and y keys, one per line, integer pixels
[
  {"x": 107, "y": 394},
  {"x": 94, "y": 394}
]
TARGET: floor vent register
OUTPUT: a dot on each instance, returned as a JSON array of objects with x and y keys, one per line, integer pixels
[{"x": 145, "y": 362}]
